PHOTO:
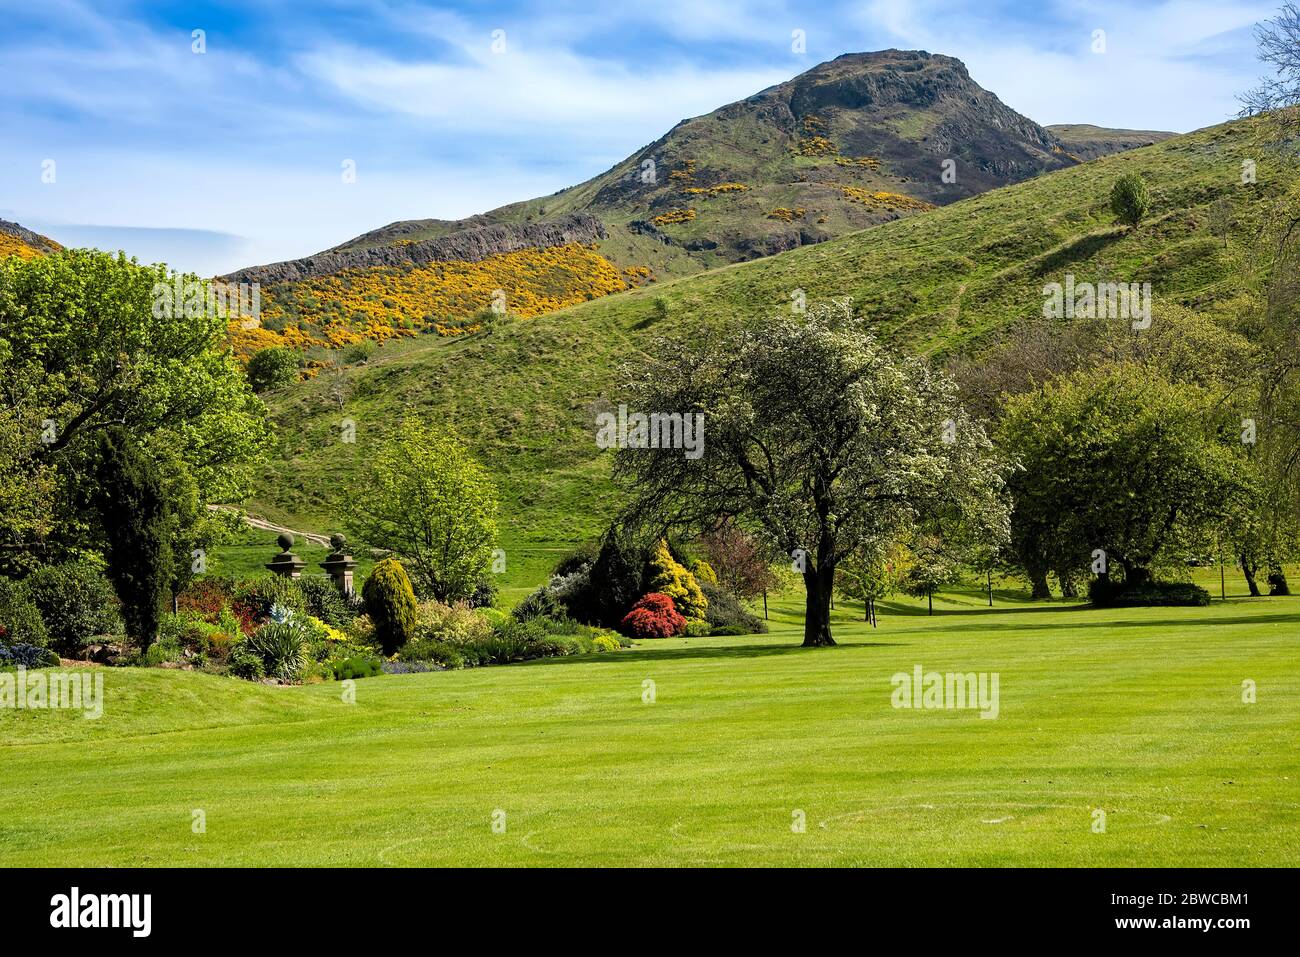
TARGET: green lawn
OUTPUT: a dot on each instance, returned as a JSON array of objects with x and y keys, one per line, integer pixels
[{"x": 1139, "y": 713}]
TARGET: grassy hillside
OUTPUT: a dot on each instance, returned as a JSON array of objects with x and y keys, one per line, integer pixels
[
  {"x": 863, "y": 139},
  {"x": 1137, "y": 713},
  {"x": 524, "y": 397}
]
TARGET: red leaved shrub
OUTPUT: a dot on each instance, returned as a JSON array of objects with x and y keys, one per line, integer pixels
[
  {"x": 206, "y": 597},
  {"x": 654, "y": 616},
  {"x": 209, "y": 597}
]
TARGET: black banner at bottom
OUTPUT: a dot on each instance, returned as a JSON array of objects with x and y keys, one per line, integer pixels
[{"x": 336, "y": 906}]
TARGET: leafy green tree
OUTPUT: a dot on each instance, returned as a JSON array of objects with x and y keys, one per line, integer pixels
[
  {"x": 872, "y": 574},
  {"x": 1200, "y": 348},
  {"x": 27, "y": 488},
  {"x": 196, "y": 530},
  {"x": 1261, "y": 530},
  {"x": 932, "y": 564},
  {"x": 814, "y": 433},
  {"x": 88, "y": 342},
  {"x": 1122, "y": 461},
  {"x": 1129, "y": 199},
  {"x": 427, "y": 500},
  {"x": 138, "y": 528},
  {"x": 272, "y": 368},
  {"x": 390, "y": 603},
  {"x": 1273, "y": 319}
]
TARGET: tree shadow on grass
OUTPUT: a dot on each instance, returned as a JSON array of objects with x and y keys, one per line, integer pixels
[
  {"x": 734, "y": 652},
  {"x": 1081, "y": 249},
  {"x": 1117, "y": 625},
  {"x": 886, "y": 610}
]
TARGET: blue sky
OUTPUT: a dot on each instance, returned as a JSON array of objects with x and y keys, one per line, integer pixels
[{"x": 233, "y": 156}]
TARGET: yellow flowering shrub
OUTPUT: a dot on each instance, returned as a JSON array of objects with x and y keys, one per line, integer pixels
[
  {"x": 870, "y": 162},
  {"x": 671, "y": 578},
  {"x": 638, "y": 275},
  {"x": 715, "y": 190},
  {"x": 816, "y": 146},
  {"x": 883, "y": 200},
  {"x": 674, "y": 216},
  {"x": 687, "y": 172},
  {"x": 787, "y": 215},
  {"x": 704, "y": 572},
  {"x": 12, "y": 246},
  {"x": 390, "y": 302},
  {"x": 246, "y": 340},
  {"x": 813, "y": 143}
]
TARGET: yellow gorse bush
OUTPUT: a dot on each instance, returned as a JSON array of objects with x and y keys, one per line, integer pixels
[
  {"x": 674, "y": 216},
  {"x": 390, "y": 302},
  {"x": 715, "y": 190},
  {"x": 638, "y": 275},
  {"x": 686, "y": 172},
  {"x": 11, "y": 246},
  {"x": 884, "y": 200},
  {"x": 787, "y": 215},
  {"x": 870, "y": 162},
  {"x": 816, "y": 146}
]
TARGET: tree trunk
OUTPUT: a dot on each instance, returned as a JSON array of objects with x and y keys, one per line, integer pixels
[
  {"x": 1277, "y": 584},
  {"x": 817, "y": 609},
  {"x": 1039, "y": 590},
  {"x": 929, "y": 597},
  {"x": 1069, "y": 589},
  {"x": 1248, "y": 569},
  {"x": 765, "y": 604}
]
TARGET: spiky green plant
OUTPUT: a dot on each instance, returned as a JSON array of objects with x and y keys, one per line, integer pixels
[{"x": 280, "y": 645}]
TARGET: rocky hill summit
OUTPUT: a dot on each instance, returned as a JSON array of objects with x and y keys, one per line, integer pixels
[{"x": 856, "y": 141}]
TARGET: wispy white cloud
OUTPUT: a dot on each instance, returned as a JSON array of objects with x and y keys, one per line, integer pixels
[
  {"x": 247, "y": 139},
  {"x": 522, "y": 88}
]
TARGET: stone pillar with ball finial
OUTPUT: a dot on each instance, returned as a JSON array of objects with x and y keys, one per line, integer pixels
[
  {"x": 286, "y": 564},
  {"x": 338, "y": 565}
]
